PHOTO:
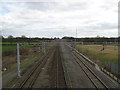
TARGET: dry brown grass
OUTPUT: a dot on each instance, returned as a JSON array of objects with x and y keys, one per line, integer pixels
[{"x": 109, "y": 54}]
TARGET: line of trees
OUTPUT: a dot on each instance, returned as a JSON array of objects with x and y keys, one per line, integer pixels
[
  {"x": 23, "y": 38},
  {"x": 93, "y": 39},
  {"x": 10, "y": 38}
]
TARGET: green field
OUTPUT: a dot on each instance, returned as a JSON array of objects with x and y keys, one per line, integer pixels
[
  {"x": 20, "y": 42},
  {"x": 109, "y": 54},
  {"x": 7, "y": 50},
  {"x": 12, "y": 47}
]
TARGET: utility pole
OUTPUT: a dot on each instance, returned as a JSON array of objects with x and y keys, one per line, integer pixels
[
  {"x": 44, "y": 47},
  {"x": 18, "y": 60},
  {"x": 76, "y": 36},
  {"x": 115, "y": 44}
]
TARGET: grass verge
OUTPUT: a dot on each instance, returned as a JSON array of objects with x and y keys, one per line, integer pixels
[{"x": 109, "y": 54}]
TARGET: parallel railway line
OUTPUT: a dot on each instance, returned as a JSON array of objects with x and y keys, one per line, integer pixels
[
  {"x": 96, "y": 81},
  {"x": 31, "y": 78},
  {"x": 61, "y": 81}
]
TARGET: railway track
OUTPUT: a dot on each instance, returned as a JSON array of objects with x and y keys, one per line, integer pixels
[
  {"x": 95, "y": 80},
  {"x": 29, "y": 81},
  {"x": 60, "y": 81},
  {"x": 60, "y": 76}
]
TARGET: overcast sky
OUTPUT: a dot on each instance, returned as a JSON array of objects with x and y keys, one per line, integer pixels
[{"x": 58, "y": 19}]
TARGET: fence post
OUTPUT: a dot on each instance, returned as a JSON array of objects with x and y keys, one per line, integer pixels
[{"x": 18, "y": 60}]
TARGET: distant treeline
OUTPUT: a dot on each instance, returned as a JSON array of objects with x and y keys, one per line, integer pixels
[
  {"x": 93, "y": 39},
  {"x": 37, "y": 39},
  {"x": 25, "y": 39}
]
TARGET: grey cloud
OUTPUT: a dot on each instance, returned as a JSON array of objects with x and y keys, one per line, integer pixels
[
  {"x": 107, "y": 6},
  {"x": 14, "y": 32},
  {"x": 103, "y": 26},
  {"x": 75, "y": 6},
  {"x": 57, "y": 6},
  {"x": 57, "y": 21},
  {"x": 43, "y": 6}
]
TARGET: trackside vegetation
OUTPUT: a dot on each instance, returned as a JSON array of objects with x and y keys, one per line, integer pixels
[{"x": 96, "y": 52}]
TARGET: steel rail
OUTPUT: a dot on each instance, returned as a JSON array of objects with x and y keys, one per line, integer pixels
[
  {"x": 84, "y": 64},
  {"x": 60, "y": 65},
  {"x": 40, "y": 64},
  {"x": 67, "y": 77}
]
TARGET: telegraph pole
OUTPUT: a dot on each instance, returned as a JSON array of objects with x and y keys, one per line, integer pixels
[
  {"x": 76, "y": 38},
  {"x": 18, "y": 60},
  {"x": 44, "y": 47},
  {"x": 76, "y": 35}
]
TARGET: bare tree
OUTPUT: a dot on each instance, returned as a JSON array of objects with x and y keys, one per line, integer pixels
[{"x": 10, "y": 37}]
